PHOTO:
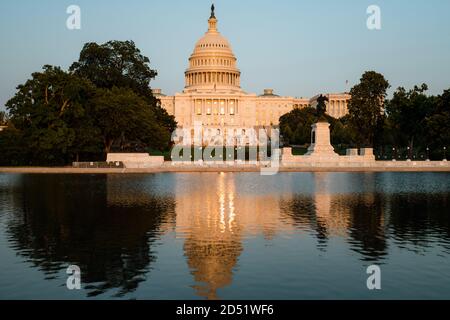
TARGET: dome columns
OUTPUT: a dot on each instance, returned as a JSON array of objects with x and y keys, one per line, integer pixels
[{"x": 212, "y": 77}]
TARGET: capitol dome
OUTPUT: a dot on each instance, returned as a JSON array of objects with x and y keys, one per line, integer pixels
[{"x": 212, "y": 64}]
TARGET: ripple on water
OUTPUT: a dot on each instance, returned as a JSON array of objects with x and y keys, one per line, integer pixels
[{"x": 291, "y": 236}]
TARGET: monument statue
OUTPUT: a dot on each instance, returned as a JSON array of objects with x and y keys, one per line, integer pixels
[
  {"x": 321, "y": 107},
  {"x": 213, "y": 15}
]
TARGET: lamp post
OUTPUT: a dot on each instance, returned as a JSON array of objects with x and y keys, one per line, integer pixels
[
  {"x": 445, "y": 153},
  {"x": 408, "y": 155},
  {"x": 394, "y": 155}
]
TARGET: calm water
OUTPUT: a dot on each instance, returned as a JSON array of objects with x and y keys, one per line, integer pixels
[{"x": 225, "y": 236}]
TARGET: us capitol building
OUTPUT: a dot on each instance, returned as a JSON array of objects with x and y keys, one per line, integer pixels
[{"x": 214, "y": 97}]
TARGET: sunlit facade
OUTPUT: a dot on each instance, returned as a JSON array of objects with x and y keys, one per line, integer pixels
[{"x": 213, "y": 95}]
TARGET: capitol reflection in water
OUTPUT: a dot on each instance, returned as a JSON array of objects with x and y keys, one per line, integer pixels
[{"x": 239, "y": 235}]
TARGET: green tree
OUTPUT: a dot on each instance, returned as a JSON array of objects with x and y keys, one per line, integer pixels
[
  {"x": 120, "y": 64},
  {"x": 342, "y": 133},
  {"x": 437, "y": 124},
  {"x": 13, "y": 150},
  {"x": 366, "y": 106},
  {"x": 124, "y": 118},
  {"x": 295, "y": 126},
  {"x": 115, "y": 64},
  {"x": 46, "y": 110},
  {"x": 287, "y": 134},
  {"x": 407, "y": 112}
]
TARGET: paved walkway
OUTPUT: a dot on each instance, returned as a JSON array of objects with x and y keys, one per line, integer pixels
[{"x": 381, "y": 166}]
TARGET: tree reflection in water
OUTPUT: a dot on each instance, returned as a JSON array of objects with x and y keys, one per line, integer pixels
[
  {"x": 109, "y": 225},
  {"x": 70, "y": 220},
  {"x": 367, "y": 220}
]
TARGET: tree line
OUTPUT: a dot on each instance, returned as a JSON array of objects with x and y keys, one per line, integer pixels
[
  {"x": 103, "y": 103},
  {"x": 412, "y": 124}
]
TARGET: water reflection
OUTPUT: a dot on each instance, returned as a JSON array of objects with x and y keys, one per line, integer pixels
[
  {"x": 87, "y": 221},
  {"x": 110, "y": 225}
]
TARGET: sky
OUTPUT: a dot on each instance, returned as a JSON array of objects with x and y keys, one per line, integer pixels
[{"x": 297, "y": 47}]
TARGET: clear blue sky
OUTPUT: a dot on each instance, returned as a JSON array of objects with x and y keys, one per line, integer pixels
[{"x": 297, "y": 47}]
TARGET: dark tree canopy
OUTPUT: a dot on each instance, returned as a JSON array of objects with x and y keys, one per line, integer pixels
[
  {"x": 115, "y": 64},
  {"x": 103, "y": 104},
  {"x": 366, "y": 106},
  {"x": 120, "y": 64},
  {"x": 438, "y": 122},
  {"x": 407, "y": 112},
  {"x": 50, "y": 111},
  {"x": 295, "y": 127},
  {"x": 125, "y": 117}
]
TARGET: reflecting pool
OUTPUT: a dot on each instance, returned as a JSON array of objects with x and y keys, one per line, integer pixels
[{"x": 225, "y": 236}]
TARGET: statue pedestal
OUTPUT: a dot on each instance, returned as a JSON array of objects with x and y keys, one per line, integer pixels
[{"x": 320, "y": 141}]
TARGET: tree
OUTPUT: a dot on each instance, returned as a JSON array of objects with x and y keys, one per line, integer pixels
[
  {"x": 13, "y": 150},
  {"x": 104, "y": 103},
  {"x": 295, "y": 127},
  {"x": 437, "y": 124},
  {"x": 407, "y": 112},
  {"x": 48, "y": 111},
  {"x": 120, "y": 64},
  {"x": 366, "y": 106},
  {"x": 124, "y": 118},
  {"x": 342, "y": 133}
]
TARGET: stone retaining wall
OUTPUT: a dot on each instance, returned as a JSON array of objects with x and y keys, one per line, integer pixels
[{"x": 136, "y": 160}]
